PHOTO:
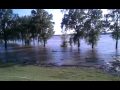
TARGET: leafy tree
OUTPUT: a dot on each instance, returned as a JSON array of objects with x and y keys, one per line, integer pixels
[
  {"x": 5, "y": 23},
  {"x": 26, "y": 24},
  {"x": 13, "y": 32},
  {"x": 21, "y": 29},
  {"x": 93, "y": 26},
  {"x": 43, "y": 24},
  {"x": 105, "y": 23},
  {"x": 74, "y": 20},
  {"x": 114, "y": 17}
]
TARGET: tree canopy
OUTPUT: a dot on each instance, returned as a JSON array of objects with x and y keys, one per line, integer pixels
[
  {"x": 26, "y": 28},
  {"x": 113, "y": 23},
  {"x": 85, "y": 22}
]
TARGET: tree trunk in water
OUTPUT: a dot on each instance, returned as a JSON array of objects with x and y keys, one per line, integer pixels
[
  {"x": 92, "y": 45},
  {"x": 116, "y": 44},
  {"x": 117, "y": 34},
  {"x": 5, "y": 39},
  {"x": 78, "y": 44},
  {"x": 33, "y": 41},
  {"x": 5, "y": 44},
  {"x": 44, "y": 42},
  {"x": 22, "y": 42},
  {"x": 27, "y": 42},
  {"x": 38, "y": 42}
]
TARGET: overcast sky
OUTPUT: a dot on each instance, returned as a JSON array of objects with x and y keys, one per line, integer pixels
[{"x": 57, "y": 17}]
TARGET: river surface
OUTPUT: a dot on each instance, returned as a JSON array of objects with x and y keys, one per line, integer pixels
[{"x": 54, "y": 54}]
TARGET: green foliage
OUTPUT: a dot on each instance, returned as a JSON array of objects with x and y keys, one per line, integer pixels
[
  {"x": 25, "y": 28},
  {"x": 5, "y": 23},
  {"x": 116, "y": 35},
  {"x": 74, "y": 20},
  {"x": 93, "y": 26},
  {"x": 86, "y": 23},
  {"x": 43, "y": 24},
  {"x": 92, "y": 37},
  {"x": 114, "y": 20}
]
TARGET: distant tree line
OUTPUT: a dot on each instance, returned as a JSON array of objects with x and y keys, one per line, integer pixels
[
  {"x": 89, "y": 23},
  {"x": 38, "y": 26}
]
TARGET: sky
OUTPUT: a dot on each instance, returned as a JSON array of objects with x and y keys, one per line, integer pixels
[{"x": 57, "y": 17}]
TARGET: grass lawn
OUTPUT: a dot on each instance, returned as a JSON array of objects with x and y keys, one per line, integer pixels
[{"x": 36, "y": 73}]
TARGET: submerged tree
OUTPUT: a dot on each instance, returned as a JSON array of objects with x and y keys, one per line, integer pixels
[
  {"x": 64, "y": 39},
  {"x": 92, "y": 26},
  {"x": 5, "y": 23},
  {"x": 43, "y": 24},
  {"x": 14, "y": 32},
  {"x": 26, "y": 28},
  {"x": 26, "y": 24},
  {"x": 21, "y": 29},
  {"x": 85, "y": 22},
  {"x": 114, "y": 16},
  {"x": 74, "y": 20}
]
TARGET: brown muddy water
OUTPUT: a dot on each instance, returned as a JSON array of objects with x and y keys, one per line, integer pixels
[{"x": 56, "y": 55}]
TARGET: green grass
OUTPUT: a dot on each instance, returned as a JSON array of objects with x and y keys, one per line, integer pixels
[{"x": 13, "y": 72}]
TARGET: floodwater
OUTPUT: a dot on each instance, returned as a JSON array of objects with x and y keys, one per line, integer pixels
[{"x": 54, "y": 54}]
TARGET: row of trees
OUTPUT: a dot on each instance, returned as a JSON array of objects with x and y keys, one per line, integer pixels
[
  {"x": 89, "y": 23},
  {"x": 26, "y": 28},
  {"x": 86, "y": 23}
]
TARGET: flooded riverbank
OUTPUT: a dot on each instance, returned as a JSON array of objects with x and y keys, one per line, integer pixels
[{"x": 54, "y": 54}]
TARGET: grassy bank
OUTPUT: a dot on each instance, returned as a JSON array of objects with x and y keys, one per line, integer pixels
[{"x": 35, "y": 73}]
